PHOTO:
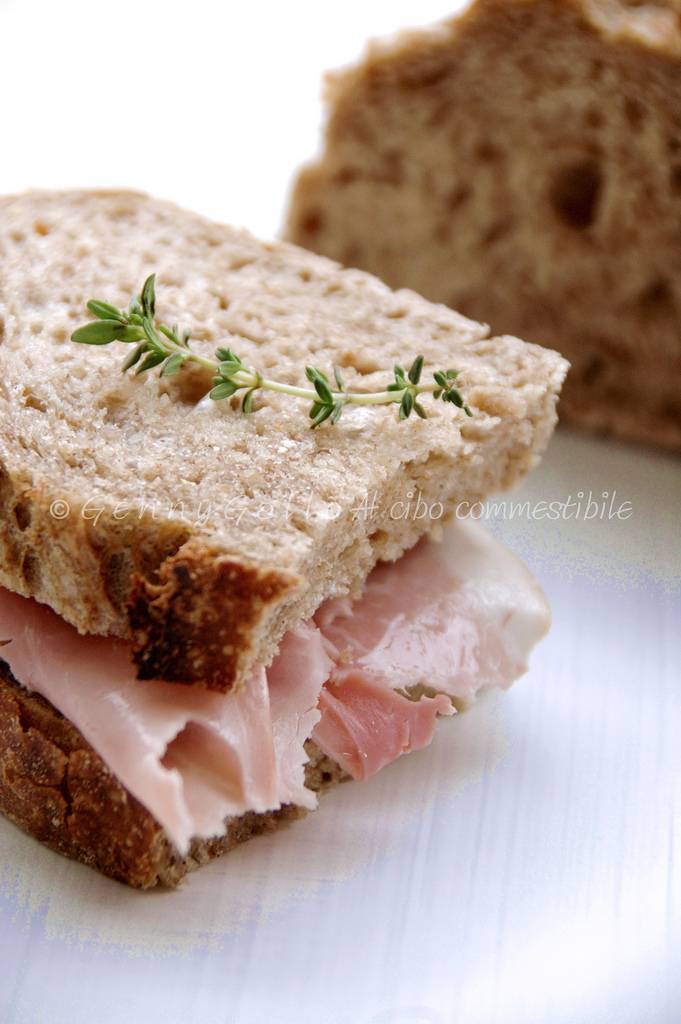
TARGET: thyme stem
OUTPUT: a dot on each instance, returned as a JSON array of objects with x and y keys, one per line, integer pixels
[{"x": 160, "y": 345}]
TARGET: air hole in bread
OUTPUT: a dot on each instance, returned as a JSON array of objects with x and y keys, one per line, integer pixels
[
  {"x": 487, "y": 152},
  {"x": 634, "y": 111},
  {"x": 115, "y": 407},
  {"x": 396, "y": 314},
  {"x": 593, "y": 370},
  {"x": 358, "y": 361},
  {"x": 189, "y": 386},
  {"x": 41, "y": 228},
  {"x": 17, "y": 236},
  {"x": 346, "y": 176},
  {"x": 458, "y": 196},
  {"x": 5, "y": 487},
  {"x": 22, "y": 515},
  {"x": 498, "y": 230},
  {"x": 59, "y": 334},
  {"x": 30, "y": 570},
  {"x": 671, "y": 409},
  {"x": 244, "y": 261},
  {"x": 305, "y": 275},
  {"x": 576, "y": 192},
  {"x": 597, "y": 69},
  {"x": 31, "y": 400},
  {"x": 116, "y": 574},
  {"x": 379, "y": 539},
  {"x": 675, "y": 179},
  {"x": 594, "y": 118},
  {"x": 657, "y": 297},
  {"x": 312, "y": 222}
]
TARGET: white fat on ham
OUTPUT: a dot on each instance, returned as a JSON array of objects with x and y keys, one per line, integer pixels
[
  {"x": 191, "y": 756},
  {"x": 451, "y": 618},
  {"x": 367, "y": 680}
]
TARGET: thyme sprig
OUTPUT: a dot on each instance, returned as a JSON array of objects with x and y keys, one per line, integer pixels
[{"x": 156, "y": 344}]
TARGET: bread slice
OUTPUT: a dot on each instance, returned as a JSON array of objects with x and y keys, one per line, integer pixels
[
  {"x": 135, "y": 509},
  {"x": 55, "y": 787},
  {"x": 521, "y": 162}
]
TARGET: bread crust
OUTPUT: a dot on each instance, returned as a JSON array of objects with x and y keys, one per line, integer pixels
[
  {"x": 54, "y": 786},
  {"x": 203, "y": 615}
]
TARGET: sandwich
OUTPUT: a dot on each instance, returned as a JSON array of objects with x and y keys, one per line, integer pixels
[
  {"x": 239, "y": 571},
  {"x": 521, "y": 162}
]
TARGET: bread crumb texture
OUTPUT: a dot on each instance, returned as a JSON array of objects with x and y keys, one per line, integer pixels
[
  {"x": 137, "y": 507},
  {"x": 521, "y": 162}
]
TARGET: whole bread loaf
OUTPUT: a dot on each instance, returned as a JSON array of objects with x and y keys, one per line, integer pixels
[
  {"x": 134, "y": 507},
  {"x": 522, "y": 163}
]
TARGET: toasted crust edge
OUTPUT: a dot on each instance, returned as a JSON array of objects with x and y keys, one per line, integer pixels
[
  {"x": 202, "y": 617},
  {"x": 55, "y": 787},
  {"x": 193, "y": 613}
]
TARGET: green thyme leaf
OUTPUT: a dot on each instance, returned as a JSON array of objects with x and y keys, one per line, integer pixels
[
  {"x": 324, "y": 391},
  {"x": 148, "y": 296},
  {"x": 223, "y": 390},
  {"x": 172, "y": 365},
  {"x": 105, "y": 311},
  {"x": 406, "y": 405},
  {"x": 151, "y": 360},
  {"x": 99, "y": 332},
  {"x": 415, "y": 370},
  {"x": 323, "y": 414},
  {"x": 225, "y": 355},
  {"x": 133, "y": 358},
  {"x": 229, "y": 368}
]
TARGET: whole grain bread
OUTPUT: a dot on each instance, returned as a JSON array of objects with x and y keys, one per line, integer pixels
[
  {"x": 55, "y": 787},
  {"x": 521, "y": 162},
  {"x": 134, "y": 507}
]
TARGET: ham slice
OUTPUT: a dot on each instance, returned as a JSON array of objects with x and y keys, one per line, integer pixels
[
  {"x": 452, "y": 618},
  {"x": 193, "y": 757},
  {"x": 367, "y": 680},
  {"x": 365, "y": 725}
]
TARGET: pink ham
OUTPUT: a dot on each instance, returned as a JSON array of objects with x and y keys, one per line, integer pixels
[
  {"x": 191, "y": 756},
  {"x": 454, "y": 617},
  {"x": 365, "y": 725}
]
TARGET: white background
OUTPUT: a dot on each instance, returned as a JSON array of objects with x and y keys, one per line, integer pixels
[{"x": 520, "y": 871}]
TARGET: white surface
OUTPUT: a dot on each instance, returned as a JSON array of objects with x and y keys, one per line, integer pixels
[{"x": 522, "y": 869}]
